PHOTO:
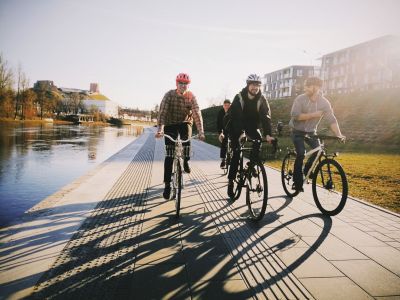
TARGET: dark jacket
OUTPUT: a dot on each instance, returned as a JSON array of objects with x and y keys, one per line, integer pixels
[
  {"x": 236, "y": 121},
  {"x": 220, "y": 120}
]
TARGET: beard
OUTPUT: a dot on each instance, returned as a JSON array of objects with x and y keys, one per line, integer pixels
[{"x": 252, "y": 93}]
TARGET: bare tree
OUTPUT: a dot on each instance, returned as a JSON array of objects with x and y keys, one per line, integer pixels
[
  {"x": 6, "y": 92},
  {"x": 6, "y": 75}
]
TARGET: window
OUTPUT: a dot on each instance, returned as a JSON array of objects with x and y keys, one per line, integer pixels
[{"x": 299, "y": 73}]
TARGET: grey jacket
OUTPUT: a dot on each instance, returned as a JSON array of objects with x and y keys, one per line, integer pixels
[{"x": 303, "y": 105}]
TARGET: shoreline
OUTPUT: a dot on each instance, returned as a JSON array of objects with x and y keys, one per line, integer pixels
[{"x": 62, "y": 122}]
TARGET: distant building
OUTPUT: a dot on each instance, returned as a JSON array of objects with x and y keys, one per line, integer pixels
[
  {"x": 287, "y": 82},
  {"x": 45, "y": 85},
  {"x": 94, "y": 100},
  {"x": 370, "y": 65},
  {"x": 94, "y": 88}
]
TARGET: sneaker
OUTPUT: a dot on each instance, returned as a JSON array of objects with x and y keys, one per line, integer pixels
[
  {"x": 230, "y": 189},
  {"x": 223, "y": 164},
  {"x": 186, "y": 166},
  {"x": 298, "y": 189},
  {"x": 167, "y": 191}
]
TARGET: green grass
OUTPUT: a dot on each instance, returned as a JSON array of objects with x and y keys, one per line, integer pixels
[{"x": 373, "y": 171}]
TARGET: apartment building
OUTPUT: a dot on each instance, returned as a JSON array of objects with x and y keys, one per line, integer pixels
[
  {"x": 371, "y": 65},
  {"x": 287, "y": 82}
]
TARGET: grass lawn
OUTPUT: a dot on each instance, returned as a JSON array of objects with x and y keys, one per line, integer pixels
[{"x": 372, "y": 176}]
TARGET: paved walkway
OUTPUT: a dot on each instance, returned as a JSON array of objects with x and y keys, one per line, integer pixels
[{"x": 110, "y": 235}]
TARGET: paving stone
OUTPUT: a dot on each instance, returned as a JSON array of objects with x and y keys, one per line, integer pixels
[
  {"x": 388, "y": 257},
  {"x": 356, "y": 237},
  {"x": 212, "y": 268},
  {"x": 305, "y": 262},
  {"x": 215, "y": 289},
  {"x": 333, "y": 288},
  {"x": 160, "y": 281},
  {"x": 394, "y": 244},
  {"x": 332, "y": 248},
  {"x": 370, "y": 276},
  {"x": 281, "y": 238}
]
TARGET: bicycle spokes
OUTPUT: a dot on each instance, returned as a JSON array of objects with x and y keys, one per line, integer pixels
[
  {"x": 257, "y": 191},
  {"x": 330, "y": 187}
]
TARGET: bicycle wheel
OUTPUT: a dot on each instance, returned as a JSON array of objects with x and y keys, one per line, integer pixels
[
  {"x": 330, "y": 187},
  {"x": 257, "y": 191},
  {"x": 239, "y": 180},
  {"x": 287, "y": 173},
  {"x": 227, "y": 161},
  {"x": 178, "y": 180}
]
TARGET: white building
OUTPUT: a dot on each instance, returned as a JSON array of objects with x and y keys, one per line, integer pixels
[
  {"x": 106, "y": 106},
  {"x": 94, "y": 100}
]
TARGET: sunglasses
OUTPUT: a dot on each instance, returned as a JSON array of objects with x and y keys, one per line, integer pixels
[{"x": 183, "y": 83}]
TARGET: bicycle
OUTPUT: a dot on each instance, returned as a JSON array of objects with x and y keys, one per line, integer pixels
[
  {"x": 329, "y": 181},
  {"x": 228, "y": 158},
  {"x": 178, "y": 152},
  {"x": 254, "y": 178}
]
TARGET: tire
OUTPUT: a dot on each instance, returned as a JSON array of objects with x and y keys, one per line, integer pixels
[
  {"x": 287, "y": 173},
  {"x": 239, "y": 180},
  {"x": 330, "y": 187},
  {"x": 228, "y": 162},
  {"x": 257, "y": 192},
  {"x": 178, "y": 175}
]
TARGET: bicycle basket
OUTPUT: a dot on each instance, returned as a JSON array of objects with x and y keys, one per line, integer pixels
[
  {"x": 269, "y": 152},
  {"x": 170, "y": 151}
]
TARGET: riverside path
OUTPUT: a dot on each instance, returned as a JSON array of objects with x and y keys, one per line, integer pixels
[{"x": 111, "y": 235}]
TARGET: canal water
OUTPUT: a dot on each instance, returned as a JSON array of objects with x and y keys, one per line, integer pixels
[{"x": 36, "y": 161}]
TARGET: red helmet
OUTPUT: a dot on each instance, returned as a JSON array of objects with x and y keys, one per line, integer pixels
[{"x": 183, "y": 77}]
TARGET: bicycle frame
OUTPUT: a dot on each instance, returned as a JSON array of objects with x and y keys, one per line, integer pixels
[
  {"x": 178, "y": 153},
  {"x": 320, "y": 150}
]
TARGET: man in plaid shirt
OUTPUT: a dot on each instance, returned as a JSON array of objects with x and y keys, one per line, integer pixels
[{"x": 178, "y": 109}]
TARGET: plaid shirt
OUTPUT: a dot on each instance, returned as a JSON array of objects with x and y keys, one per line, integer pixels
[{"x": 175, "y": 109}]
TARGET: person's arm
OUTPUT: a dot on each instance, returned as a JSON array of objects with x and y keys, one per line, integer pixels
[
  {"x": 297, "y": 114},
  {"x": 162, "y": 114},
  {"x": 220, "y": 117},
  {"x": 265, "y": 114},
  {"x": 331, "y": 119},
  {"x": 313, "y": 115},
  {"x": 198, "y": 119}
]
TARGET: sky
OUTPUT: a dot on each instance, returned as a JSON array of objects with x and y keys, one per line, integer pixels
[{"x": 134, "y": 49}]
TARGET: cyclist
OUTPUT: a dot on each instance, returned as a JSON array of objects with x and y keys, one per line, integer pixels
[
  {"x": 248, "y": 111},
  {"x": 223, "y": 136},
  {"x": 307, "y": 111},
  {"x": 178, "y": 108}
]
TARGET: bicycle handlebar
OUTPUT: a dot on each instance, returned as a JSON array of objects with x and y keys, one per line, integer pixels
[
  {"x": 179, "y": 140},
  {"x": 326, "y": 137}
]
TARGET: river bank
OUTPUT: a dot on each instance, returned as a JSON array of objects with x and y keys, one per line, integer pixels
[{"x": 37, "y": 159}]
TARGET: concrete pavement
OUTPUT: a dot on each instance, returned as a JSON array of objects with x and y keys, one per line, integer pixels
[{"x": 110, "y": 235}]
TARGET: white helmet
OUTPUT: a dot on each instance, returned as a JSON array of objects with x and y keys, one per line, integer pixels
[{"x": 253, "y": 78}]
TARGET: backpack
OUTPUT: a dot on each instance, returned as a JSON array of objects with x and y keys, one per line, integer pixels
[
  {"x": 242, "y": 102},
  {"x": 226, "y": 122}
]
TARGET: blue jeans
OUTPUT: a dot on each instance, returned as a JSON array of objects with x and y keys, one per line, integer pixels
[{"x": 298, "y": 141}]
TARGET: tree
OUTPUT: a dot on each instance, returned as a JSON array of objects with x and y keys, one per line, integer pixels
[
  {"x": 22, "y": 86},
  {"x": 6, "y": 92},
  {"x": 6, "y": 75},
  {"x": 28, "y": 99}
]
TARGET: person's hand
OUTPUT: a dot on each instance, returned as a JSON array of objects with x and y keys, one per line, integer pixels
[
  {"x": 318, "y": 114},
  {"x": 221, "y": 137},
  {"x": 242, "y": 136},
  {"x": 159, "y": 134},
  {"x": 269, "y": 139},
  {"x": 342, "y": 138},
  {"x": 202, "y": 137}
]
